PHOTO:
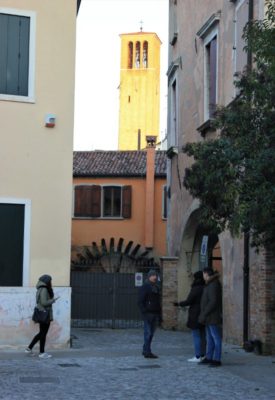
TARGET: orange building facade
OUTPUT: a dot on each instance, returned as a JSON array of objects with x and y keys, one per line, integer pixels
[{"x": 120, "y": 195}]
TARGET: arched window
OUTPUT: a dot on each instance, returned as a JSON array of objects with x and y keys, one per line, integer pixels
[
  {"x": 137, "y": 57},
  {"x": 130, "y": 55},
  {"x": 145, "y": 55}
]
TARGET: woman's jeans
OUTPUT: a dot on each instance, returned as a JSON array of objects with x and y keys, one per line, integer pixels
[
  {"x": 41, "y": 336},
  {"x": 199, "y": 341},
  {"x": 150, "y": 325},
  {"x": 214, "y": 342}
]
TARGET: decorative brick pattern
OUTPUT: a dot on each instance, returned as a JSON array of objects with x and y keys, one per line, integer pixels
[{"x": 169, "y": 292}]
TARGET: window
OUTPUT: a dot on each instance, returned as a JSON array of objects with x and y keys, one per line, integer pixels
[
  {"x": 164, "y": 202},
  {"x": 174, "y": 115},
  {"x": 145, "y": 55},
  {"x": 14, "y": 242},
  {"x": 130, "y": 55},
  {"x": 112, "y": 201},
  {"x": 210, "y": 86},
  {"x": 94, "y": 201},
  {"x": 241, "y": 18},
  {"x": 16, "y": 55},
  {"x": 137, "y": 57}
]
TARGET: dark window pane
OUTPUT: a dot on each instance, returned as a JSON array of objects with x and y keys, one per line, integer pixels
[
  {"x": 116, "y": 202},
  {"x": 112, "y": 201},
  {"x": 107, "y": 202},
  {"x": 12, "y": 218}
]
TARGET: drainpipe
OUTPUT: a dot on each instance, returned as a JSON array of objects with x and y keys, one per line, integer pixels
[
  {"x": 150, "y": 192},
  {"x": 246, "y": 233}
]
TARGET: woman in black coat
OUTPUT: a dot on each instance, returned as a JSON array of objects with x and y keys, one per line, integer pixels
[{"x": 193, "y": 301}]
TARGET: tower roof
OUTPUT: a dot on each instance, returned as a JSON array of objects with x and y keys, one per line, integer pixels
[{"x": 140, "y": 34}]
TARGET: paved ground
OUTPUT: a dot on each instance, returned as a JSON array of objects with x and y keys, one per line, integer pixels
[{"x": 107, "y": 365}]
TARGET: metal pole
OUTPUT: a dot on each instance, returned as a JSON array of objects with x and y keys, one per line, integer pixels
[
  {"x": 246, "y": 287},
  {"x": 246, "y": 233}
]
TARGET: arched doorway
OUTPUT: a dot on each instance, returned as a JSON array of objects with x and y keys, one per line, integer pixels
[{"x": 200, "y": 248}]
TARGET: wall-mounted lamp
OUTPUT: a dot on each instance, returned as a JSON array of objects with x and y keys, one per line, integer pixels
[{"x": 50, "y": 120}]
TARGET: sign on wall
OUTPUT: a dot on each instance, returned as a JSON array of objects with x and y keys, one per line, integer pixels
[{"x": 138, "y": 279}]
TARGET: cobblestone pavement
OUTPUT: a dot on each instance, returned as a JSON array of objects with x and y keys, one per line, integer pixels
[{"x": 107, "y": 365}]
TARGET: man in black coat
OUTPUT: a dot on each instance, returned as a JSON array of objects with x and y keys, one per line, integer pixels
[
  {"x": 150, "y": 306},
  {"x": 211, "y": 316}
]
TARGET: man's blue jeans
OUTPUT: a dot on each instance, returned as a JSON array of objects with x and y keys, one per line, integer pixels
[
  {"x": 150, "y": 325},
  {"x": 214, "y": 342},
  {"x": 199, "y": 342}
]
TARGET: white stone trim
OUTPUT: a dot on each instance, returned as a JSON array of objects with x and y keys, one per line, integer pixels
[{"x": 31, "y": 88}]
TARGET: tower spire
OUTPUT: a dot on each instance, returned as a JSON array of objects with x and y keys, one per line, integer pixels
[{"x": 141, "y": 25}]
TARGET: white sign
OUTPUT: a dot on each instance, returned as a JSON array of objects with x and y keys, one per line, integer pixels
[
  {"x": 204, "y": 245},
  {"x": 138, "y": 279}
]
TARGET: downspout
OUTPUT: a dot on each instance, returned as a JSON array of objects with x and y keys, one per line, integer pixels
[
  {"x": 246, "y": 233},
  {"x": 150, "y": 192}
]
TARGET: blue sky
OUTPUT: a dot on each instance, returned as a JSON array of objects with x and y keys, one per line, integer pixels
[{"x": 99, "y": 24}]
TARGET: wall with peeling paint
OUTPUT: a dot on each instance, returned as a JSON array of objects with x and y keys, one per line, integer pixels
[{"x": 16, "y": 325}]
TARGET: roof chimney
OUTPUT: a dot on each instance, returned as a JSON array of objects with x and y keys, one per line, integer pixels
[{"x": 150, "y": 192}]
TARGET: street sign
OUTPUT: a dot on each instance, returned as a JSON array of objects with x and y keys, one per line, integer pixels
[{"x": 138, "y": 279}]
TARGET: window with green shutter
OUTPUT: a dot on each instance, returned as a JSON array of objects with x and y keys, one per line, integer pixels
[{"x": 14, "y": 54}]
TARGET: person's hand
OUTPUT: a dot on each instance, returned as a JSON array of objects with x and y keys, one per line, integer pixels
[{"x": 175, "y": 303}]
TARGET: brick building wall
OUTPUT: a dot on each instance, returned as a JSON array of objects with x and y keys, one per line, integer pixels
[{"x": 262, "y": 301}]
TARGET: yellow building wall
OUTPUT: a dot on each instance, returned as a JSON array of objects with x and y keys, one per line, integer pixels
[
  {"x": 86, "y": 231},
  {"x": 36, "y": 162},
  {"x": 139, "y": 92}
]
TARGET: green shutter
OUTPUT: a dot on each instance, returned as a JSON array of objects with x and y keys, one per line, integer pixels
[{"x": 14, "y": 54}]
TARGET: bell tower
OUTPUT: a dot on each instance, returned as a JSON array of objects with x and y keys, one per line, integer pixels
[{"x": 139, "y": 89}]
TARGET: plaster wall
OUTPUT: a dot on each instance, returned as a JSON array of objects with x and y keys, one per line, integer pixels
[
  {"x": 17, "y": 327},
  {"x": 36, "y": 165}
]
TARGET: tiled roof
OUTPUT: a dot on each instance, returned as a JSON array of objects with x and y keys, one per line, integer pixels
[{"x": 116, "y": 163}]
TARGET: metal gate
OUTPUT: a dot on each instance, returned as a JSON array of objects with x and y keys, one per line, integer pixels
[{"x": 107, "y": 299}]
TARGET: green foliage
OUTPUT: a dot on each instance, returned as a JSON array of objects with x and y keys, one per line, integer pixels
[{"x": 234, "y": 174}]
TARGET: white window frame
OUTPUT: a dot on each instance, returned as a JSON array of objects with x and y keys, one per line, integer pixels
[
  {"x": 207, "y": 39},
  {"x": 31, "y": 83},
  {"x": 27, "y": 234}
]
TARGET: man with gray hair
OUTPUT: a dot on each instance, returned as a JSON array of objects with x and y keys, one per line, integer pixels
[{"x": 150, "y": 307}]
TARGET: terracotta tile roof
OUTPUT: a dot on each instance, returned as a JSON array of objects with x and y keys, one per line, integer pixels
[{"x": 116, "y": 163}]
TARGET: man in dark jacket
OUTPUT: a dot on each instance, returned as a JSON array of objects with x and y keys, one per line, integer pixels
[
  {"x": 149, "y": 305},
  {"x": 211, "y": 316},
  {"x": 193, "y": 301}
]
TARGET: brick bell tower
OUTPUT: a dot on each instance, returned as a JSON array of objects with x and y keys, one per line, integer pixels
[{"x": 139, "y": 89}]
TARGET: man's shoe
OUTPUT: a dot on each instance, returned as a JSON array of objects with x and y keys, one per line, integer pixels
[
  {"x": 150, "y": 355},
  {"x": 205, "y": 361},
  {"x": 215, "y": 364}
]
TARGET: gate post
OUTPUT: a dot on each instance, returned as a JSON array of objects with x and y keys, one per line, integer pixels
[{"x": 169, "y": 267}]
